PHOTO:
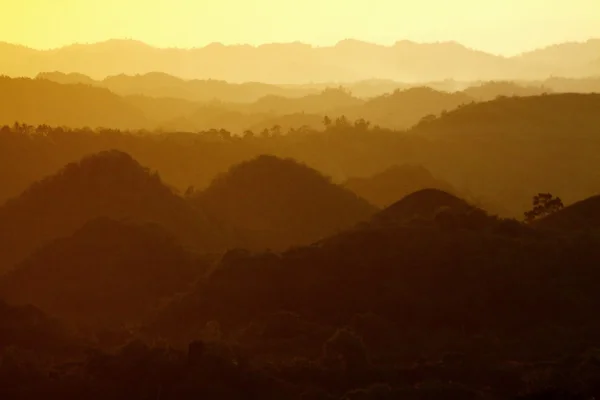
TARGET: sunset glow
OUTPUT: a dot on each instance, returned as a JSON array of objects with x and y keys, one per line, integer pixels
[{"x": 502, "y": 27}]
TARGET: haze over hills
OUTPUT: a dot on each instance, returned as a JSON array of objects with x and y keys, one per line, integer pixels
[
  {"x": 108, "y": 184},
  {"x": 44, "y": 101},
  {"x": 468, "y": 147},
  {"x": 158, "y": 84},
  {"x": 320, "y": 219},
  {"x": 281, "y": 63}
]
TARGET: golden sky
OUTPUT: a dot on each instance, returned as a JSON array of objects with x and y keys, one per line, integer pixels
[{"x": 497, "y": 26}]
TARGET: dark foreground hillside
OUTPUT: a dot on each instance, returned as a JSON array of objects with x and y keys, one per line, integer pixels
[
  {"x": 428, "y": 298},
  {"x": 108, "y": 273}
]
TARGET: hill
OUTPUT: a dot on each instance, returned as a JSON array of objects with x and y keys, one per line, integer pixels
[
  {"x": 405, "y": 108},
  {"x": 280, "y": 202},
  {"x": 394, "y": 183},
  {"x": 110, "y": 184},
  {"x": 491, "y": 90},
  {"x": 38, "y": 102},
  {"x": 379, "y": 279},
  {"x": 107, "y": 273},
  {"x": 566, "y": 85},
  {"x": 158, "y": 84},
  {"x": 279, "y": 63},
  {"x": 328, "y": 100},
  {"x": 27, "y": 328},
  {"x": 504, "y": 149},
  {"x": 73, "y": 78},
  {"x": 564, "y": 59},
  {"x": 191, "y": 107},
  {"x": 424, "y": 204},
  {"x": 580, "y": 216}
]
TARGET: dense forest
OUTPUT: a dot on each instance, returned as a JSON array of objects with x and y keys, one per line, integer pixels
[{"x": 168, "y": 238}]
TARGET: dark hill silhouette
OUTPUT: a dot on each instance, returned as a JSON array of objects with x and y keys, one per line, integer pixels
[
  {"x": 300, "y": 63},
  {"x": 404, "y": 108},
  {"x": 43, "y": 102},
  {"x": 504, "y": 143},
  {"x": 280, "y": 202},
  {"x": 30, "y": 329},
  {"x": 108, "y": 273},
  {"x": 409, "y": 275},
  {"x": 491, "y": 90},
  {"x": 394, "y": 183},
  {"x": 422, "y": 204},
  {"x": 580, "y": 216},
  {"x": 67, "y": 79},
  {"x": 110, "y": 184}
]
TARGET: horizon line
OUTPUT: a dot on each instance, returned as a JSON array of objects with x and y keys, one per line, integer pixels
[{"x": 298, "y": 42}]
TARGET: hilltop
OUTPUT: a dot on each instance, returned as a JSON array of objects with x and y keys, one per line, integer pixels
[
  {"x": 107, "y": 184},
  {"x": 280, "y": 202}
]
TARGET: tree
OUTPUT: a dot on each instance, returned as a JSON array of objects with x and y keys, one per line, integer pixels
[
  {"x": 326, "y": 121},
  {"x": 342, "y": 122},
  {"x": 276, "y": 130},
  {"x": 225, "y": 134},
  {"x": 544, "y": 204},
  {"x": 362, "y": 124}
]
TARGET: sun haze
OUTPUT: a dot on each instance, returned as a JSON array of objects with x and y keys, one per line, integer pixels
[{"x": 497, "y": 26}]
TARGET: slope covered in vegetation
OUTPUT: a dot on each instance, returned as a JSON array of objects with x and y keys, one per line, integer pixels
[{"x": 281, "y": 201}]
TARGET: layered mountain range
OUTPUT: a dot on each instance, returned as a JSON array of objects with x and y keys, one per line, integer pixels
[{"x": 280, "y": 63}]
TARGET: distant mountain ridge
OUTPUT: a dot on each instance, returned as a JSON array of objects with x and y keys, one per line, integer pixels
[{"x": 281, "y": 63}]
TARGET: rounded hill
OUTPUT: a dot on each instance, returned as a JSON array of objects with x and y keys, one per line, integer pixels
[
  {"x": 280, "y": 202},
  {"x": 108, "y": 184},
  {"x": 422, "y": 204}
]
